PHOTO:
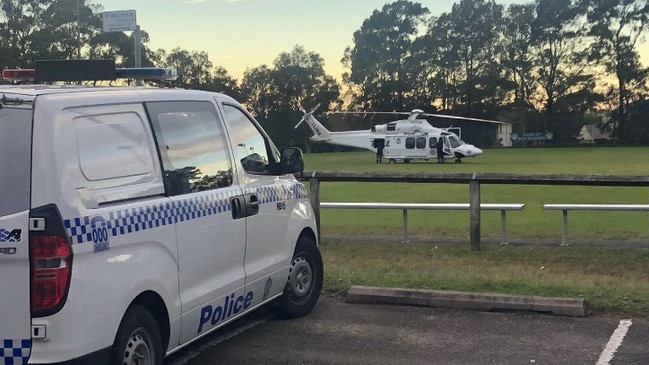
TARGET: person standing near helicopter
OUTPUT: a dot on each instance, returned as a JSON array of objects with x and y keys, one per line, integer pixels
[
  {"x": 439, "y": 146},
  {"x": 379, "y": 144}
]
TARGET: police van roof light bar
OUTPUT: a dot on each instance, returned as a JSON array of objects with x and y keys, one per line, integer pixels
[
  {"x": 19, "y": 74},
  {"x": 86, "y": 70},
  {"x": 147, "y": 73}
]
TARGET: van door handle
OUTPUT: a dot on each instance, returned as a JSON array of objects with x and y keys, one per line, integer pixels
[
  {"x": 252, "y": 204},
  {"x": 244, "y": 206},
  {"x": 237, "y": 208}
]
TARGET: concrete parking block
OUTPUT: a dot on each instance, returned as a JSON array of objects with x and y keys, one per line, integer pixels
[{"x": 572, "y": 307}]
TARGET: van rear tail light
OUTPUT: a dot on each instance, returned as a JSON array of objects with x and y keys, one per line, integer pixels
[{"x": 51, "y": 263}]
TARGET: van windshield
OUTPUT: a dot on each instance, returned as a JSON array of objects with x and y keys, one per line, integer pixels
[{"x": 15, "y": 155}]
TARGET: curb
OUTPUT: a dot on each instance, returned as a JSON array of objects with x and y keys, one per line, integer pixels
[{"x": 571, "y": 307}]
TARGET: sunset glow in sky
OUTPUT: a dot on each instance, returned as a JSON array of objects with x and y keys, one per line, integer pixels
[{"x": 244, "y": 34}]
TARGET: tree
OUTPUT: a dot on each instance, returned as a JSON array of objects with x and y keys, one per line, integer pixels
[
  {"x": 376, "y": 61},
  {"x": 559, "y": 58},
  {"x": 617, "y": 26},
  {"x": 434, "y": 51},
  {"x": 474, "y": 32},
  {"x": 60, "y": 29},
  {"x": 276, "y": 94},
  {"x": 222, "y": 82},
  {"x": 194, "y": 68},
  {"x": 21, "y": 28},
  {"x": 258, "y": 90},
  {"x": 45, "y": 29},
  {"x": 517, "y": 59},
  {"x": 518, "y": 63}
]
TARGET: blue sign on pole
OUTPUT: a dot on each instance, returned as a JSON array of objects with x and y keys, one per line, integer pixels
[{"x": 531, "y": 136}]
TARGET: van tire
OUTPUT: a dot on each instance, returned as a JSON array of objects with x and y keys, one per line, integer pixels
[
  {"x": 137, "y": 340},
  {"x": 304, "y": 284}
]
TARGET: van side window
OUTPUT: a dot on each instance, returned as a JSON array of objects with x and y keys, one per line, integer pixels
[
  {"x": 15, "y": 141},
  {"x": 192, "y": 146},
  {"x": 249, "y": 144}
]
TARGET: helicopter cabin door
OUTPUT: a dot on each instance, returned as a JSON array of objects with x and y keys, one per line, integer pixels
[{"x": 448, "y": 150}]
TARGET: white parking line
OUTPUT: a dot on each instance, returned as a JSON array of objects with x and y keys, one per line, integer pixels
[{"x": 614, "y": 342}]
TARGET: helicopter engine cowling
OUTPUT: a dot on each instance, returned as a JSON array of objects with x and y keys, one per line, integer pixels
[{"x": 381, "y": 128}]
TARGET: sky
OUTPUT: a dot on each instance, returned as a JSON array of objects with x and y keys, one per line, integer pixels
[{"x": 244, "y": 34}]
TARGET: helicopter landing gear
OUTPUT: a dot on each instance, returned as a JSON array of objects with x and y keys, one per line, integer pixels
[
  {"x": 458, "y": 160},
  {"x": 392, "y": 161}
]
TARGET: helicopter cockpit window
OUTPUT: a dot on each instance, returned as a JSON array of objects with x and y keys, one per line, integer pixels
[
  {"x": 421, "y": 143},
  {"x": 454, "y": 141}
]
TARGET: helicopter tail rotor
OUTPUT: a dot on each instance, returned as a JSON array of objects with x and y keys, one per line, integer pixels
[{"x": 306, "y": 114}]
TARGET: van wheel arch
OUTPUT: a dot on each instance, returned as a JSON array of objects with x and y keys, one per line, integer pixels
[
  {"x": 138, "y": 339},
  {"x": 153, "y": 302},
  {"x": 304, "y": 281},
  {"x": 146, "y": 312}
]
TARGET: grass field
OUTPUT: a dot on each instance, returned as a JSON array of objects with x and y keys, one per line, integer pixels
[
  {"x": 612, "y": 280},
  {"x": 533, "y": 222}
]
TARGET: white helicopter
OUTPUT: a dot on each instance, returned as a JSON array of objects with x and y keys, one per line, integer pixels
[{"x": 402, "y": 140}]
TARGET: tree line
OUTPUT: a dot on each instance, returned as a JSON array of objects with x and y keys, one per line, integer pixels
[{"x": 546, "y": 65}]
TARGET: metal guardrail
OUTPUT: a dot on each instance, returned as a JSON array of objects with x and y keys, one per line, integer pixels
[
  {"x": 473, "y": 179},
  {"x": 601, "y": 207},
  {"x": 503, "y": 208}
]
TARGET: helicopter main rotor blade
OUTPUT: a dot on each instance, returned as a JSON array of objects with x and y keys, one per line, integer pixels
[
  {"x": 358, "y": 112},
  {"x": 417, "y": 112},
  {"x": 461, "y": 118}
]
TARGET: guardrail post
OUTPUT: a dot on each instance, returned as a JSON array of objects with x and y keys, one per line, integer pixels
[
  {"x": 314, "y": 196},
  {"x": 474, "y": 206},
  {"x": 564, "y": 235},
  {"x": 405, "y": 225},
  {"x": 503, "y": 227}
]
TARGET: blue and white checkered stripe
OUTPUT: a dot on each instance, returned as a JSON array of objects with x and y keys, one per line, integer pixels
[
  {"x": 299, "y": 191},
  {"x": 271, "y": 194},
  {"x": 15, "y": 352},
  {"x": 5, "y": 236},
  {"x": 146, "y": 217}
]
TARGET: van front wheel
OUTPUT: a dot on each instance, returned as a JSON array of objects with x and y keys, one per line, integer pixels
[
  {"x": 138, "y": 340},
  {"x": 304, "y": 283}
]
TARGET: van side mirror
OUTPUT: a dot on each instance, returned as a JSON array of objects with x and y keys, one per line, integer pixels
[{"x": 291, "y": 161}]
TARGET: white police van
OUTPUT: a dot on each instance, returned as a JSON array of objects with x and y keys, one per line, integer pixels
[{"x": 134, "y": 220}]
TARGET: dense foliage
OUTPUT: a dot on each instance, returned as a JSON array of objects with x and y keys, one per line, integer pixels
[{"x": 547, "y": 65}]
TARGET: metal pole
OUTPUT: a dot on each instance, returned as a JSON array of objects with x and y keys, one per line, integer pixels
[
  {"x": 78, "y": 30},
  {"x": 564, "y": 239},
  {"x": 314, "y": 196},
  {"x": 474, "y": 206},
  {"x": 405, "y": 225},
  {"x": 138, "y": 51},
  {"x": 503, "y": 227}
]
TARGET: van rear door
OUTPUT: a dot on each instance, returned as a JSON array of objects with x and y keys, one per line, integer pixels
[{"x": 15, "y": 156}]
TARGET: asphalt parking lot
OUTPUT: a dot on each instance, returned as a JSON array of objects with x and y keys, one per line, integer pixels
[{"x": 337, "y": 332}]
